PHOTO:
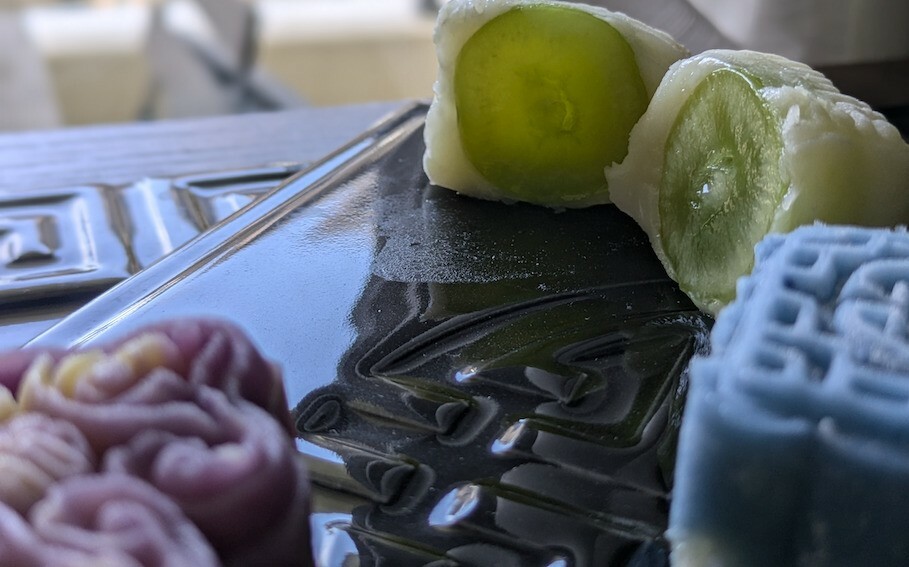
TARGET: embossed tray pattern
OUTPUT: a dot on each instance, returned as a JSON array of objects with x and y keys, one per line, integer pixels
[
  {"x": 61, "y": 248},
  {"x": 473, "y": 383}
]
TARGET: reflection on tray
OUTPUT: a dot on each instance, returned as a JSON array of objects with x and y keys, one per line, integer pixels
[
  {"x": 474, "y": 383},
  {"x": 61, "y": 248}
]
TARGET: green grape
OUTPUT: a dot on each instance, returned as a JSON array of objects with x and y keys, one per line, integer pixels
[
  {"x": 546, "y": 97},
  {"x": 721, "y": 184},
  {"x": 534, "y": 98}
]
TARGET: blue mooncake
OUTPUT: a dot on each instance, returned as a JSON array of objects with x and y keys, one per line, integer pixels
[{"x": 794, "y": 447}]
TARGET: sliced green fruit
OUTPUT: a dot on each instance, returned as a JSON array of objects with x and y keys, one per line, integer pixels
[
  {"x": 535, "y": 97},
  {"x": 737, "y": 144},
  {"x": 721, "y": 184},
  {"x": 546, "y": 97}
]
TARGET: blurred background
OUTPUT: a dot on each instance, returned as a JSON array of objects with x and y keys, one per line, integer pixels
[{"x": 105, "y": 61}]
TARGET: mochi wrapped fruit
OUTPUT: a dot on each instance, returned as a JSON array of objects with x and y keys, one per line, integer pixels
[
  {"x": 738, "y": 144},
  {"x": 534, "y": 98}
]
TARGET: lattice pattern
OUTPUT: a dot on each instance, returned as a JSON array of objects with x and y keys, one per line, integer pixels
[{"x": 795, "y": 442}]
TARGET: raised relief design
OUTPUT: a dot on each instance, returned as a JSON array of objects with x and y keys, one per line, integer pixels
[
  {"x": 214, "y": 197},
  {"x": 543, "y": 429},
  {"x": 61, "y": 248},
  {"x": 26, "y": 240},
  {"x": 518, "y": 375},
  {"x": 59, "y": 243}
]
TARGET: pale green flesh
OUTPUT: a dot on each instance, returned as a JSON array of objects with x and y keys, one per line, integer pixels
[
  {"x": 546, "y": 97},
  {"x": 721, "y": 185}
]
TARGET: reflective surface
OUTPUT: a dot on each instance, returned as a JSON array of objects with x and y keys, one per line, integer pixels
[
  {"x": 474, "y": 383},
  {"x": 61, "y": 248}
]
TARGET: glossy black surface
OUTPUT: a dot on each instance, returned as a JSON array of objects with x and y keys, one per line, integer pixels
[
  {"x": 473, "y": 383},
  {"x": 61, "y": 248}
]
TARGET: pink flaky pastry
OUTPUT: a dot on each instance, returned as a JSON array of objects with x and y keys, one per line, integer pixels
[
  {"x": 102, "y": 521},
  {"x": 36, "y": 451},
  {"x": 239, "y": 489}
]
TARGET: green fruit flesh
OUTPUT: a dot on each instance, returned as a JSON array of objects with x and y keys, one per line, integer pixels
[
  {"x": 546, "y": 97},
  {"x": 721, "y": 185}
]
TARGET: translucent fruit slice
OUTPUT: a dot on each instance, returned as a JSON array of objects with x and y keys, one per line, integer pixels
[
  {"x": 719, "y": 190},
  {"x": 738, "y": 144},
  {"x": 535, "y": 99}
]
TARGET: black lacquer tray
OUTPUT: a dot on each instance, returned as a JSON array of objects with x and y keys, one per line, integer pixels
[{"x": 473, "y": 383}]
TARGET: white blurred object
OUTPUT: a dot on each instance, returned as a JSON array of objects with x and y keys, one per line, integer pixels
[
  {"x": 96, "y": 58},
  {"x": 26, "y": 95},
  {"x": 17, "y": 4},
  {"x": 337, "y": 52},
  {"x": 817, "y": 32},
  {"x": 187, "y": 19}
]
